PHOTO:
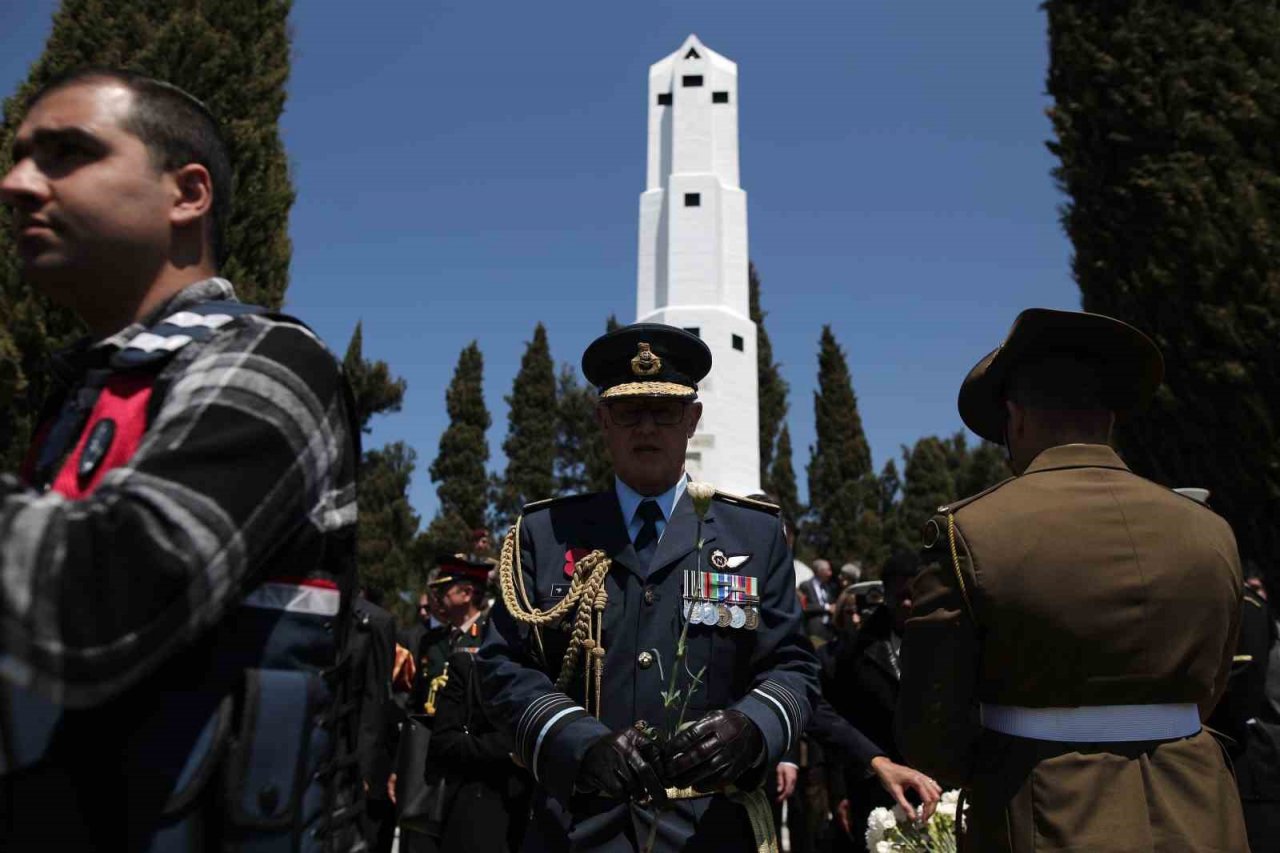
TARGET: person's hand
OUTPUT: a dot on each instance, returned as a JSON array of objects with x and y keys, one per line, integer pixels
[
  {"x": 623, "y": 766},
  {"x": 391, "y": 788},
  {"x": 844, "y": 817},
  {"x": 713, "y": 752},
  {"x": 897, "y": 780},
  {"x": 787, "y": 773}
]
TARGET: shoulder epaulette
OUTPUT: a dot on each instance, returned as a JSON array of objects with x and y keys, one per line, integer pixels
[
  {"x": 956, "y": 505},
  {"x": 534, "y": 506},
  {"x": 750, "y": 503}
]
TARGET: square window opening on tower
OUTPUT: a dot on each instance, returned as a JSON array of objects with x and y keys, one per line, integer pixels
[
  {"x": 690, "y": 80},
  {"x": 738, "y": 343},
  {"x": 664, "y": 99},
  {"x": 693, "y": 199},
  {"x": 719, "y": 97}
]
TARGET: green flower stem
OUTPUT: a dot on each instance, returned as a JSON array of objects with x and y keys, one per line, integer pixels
[{"x": 670, "y": 697}]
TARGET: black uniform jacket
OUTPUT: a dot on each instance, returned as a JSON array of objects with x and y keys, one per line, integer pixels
[
  {"x": 768, "y": 673},
  {"x": 373, "y": 644}
]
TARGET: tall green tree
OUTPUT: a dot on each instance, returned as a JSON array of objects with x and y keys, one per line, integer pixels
[
  {"x": 234, "y": 56},
  {"x": 844, "y": 523},
  {"x": 582, "y": 463},
  {"x": 373, "y": 388},
  {"x": 975, "y": 469},
  {"x": 388, "y": 549},
  {"x": 773, "y": 389},
  {"x": 531, "y": 431},
  {"x": 389, "y": 555},
  {"x": 459, "y": 466},
  {"x": 1167, "y": 117},
  {"x": 927, "y": 483},
  {"x": 782, "y": 477}
]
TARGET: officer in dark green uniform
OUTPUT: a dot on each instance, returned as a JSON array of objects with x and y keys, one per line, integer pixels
[
  {"x": 458, "y": 595},
  {"x": 597, "y": 590}
]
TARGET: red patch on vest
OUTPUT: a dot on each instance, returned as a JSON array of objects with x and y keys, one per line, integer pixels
[
  {"x": 124, "y": 400},
  {"x": 571, "y": 558}
]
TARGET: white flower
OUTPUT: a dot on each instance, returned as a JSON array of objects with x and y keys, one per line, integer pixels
[
  {"x": 952, "y": 797},
  {"x": 879, "y": 822},
  {"x": 884, "y": 847},
  {"x": 947, "y": 810},
  {"x": 701, "y": 493}
]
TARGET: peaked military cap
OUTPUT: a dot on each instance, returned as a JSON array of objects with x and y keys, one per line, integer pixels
[
  {"x": 1130, "y": 363},
  {"x": 461, "y": 567},
  {"x": 647, "y": 360}
]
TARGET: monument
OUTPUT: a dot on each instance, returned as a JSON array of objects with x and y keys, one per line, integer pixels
[{"x": 692, "y": 265}]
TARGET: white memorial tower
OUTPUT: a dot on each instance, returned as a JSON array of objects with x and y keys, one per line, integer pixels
[{"x": 692, "y": 269}]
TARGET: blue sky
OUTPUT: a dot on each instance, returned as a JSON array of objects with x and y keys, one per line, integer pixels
[{"x": 467, "y": 169}]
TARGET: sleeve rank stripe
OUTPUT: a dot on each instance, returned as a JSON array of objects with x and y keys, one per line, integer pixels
[
  {"x": 788, "y": 697},
  {"x": 527, "y": 720},
  {"x": 786, "y": 703},
  {"x": 568, "y": 715},
  {"x": 786, "y": 721}
]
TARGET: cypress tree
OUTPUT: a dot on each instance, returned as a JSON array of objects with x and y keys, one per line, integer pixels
[
  {"x": 1167, "y": 117},
  {"x": 388, "y": 537},
  {"x": 978, "y": 469},
  {"x": 373, "y": 388},
  {"x": 459, "y": 466},
  {"x": 927, "y": 483},
  {"x": 894, "y": 533},
  {"x": 844, "y": 523},
  {"x": 582, "y": 463},
  {"x": 782, "y": 477},
  {"x": 234, "y": 56},
  {"x": 388, "y": 525},
  {"x": 773, "y": 389},
  {"x": 531, "y": 431}
]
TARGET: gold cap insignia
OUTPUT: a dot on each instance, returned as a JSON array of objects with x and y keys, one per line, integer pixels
[{"x": 645, "y": 363}]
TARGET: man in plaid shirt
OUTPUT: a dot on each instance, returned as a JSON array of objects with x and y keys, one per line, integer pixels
[{"x": 176, "y": 558}]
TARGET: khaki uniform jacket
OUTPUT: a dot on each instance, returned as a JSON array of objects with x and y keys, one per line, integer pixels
[{"x": 1083, "y": 584}]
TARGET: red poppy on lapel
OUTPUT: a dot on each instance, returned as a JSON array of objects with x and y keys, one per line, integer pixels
[{"x": 571, "y": 558}]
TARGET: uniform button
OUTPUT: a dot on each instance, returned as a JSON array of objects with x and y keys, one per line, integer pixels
[
  {"x": 645, "y": 659},
  {"x": 649, "y": 595}
]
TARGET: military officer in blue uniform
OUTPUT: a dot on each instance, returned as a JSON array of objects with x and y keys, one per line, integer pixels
[{"x": 596, "y": 591}]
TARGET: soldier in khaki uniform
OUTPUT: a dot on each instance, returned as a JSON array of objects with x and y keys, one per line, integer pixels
[{"x": 1076, "y": 623}]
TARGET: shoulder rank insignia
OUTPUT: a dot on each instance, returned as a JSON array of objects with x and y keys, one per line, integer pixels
[
  {"x": 738, "y": 500},
  {"x": 546, "y": 502}
]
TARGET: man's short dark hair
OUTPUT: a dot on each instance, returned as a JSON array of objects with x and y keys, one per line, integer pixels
[{"x": 176, "y": 128}]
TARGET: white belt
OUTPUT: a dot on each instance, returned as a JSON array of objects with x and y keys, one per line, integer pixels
[{"x": 1096, "y": 723}]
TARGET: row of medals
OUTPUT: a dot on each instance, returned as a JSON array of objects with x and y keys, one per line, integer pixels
[{"x": 721, "y": 615}]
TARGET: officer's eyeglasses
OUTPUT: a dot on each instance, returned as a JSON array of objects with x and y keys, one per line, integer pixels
[{"x": 661, "y": 412}]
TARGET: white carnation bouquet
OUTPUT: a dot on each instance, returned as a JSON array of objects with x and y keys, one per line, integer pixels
[{"x": 891, "y": 831}]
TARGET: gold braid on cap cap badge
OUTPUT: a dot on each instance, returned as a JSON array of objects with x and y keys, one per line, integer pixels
[{"x": 646, "y": 362}]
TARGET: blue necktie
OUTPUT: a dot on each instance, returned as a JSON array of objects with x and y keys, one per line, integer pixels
[{"x": 646, "y": 543}]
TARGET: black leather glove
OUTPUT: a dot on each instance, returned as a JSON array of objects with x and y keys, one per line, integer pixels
[
  {"x": 713, "y": 752},
  {"x": 623, "y": 765}
]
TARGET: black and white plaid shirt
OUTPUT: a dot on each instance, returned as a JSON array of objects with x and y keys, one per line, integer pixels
[{"x": 245, "y": 474}]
